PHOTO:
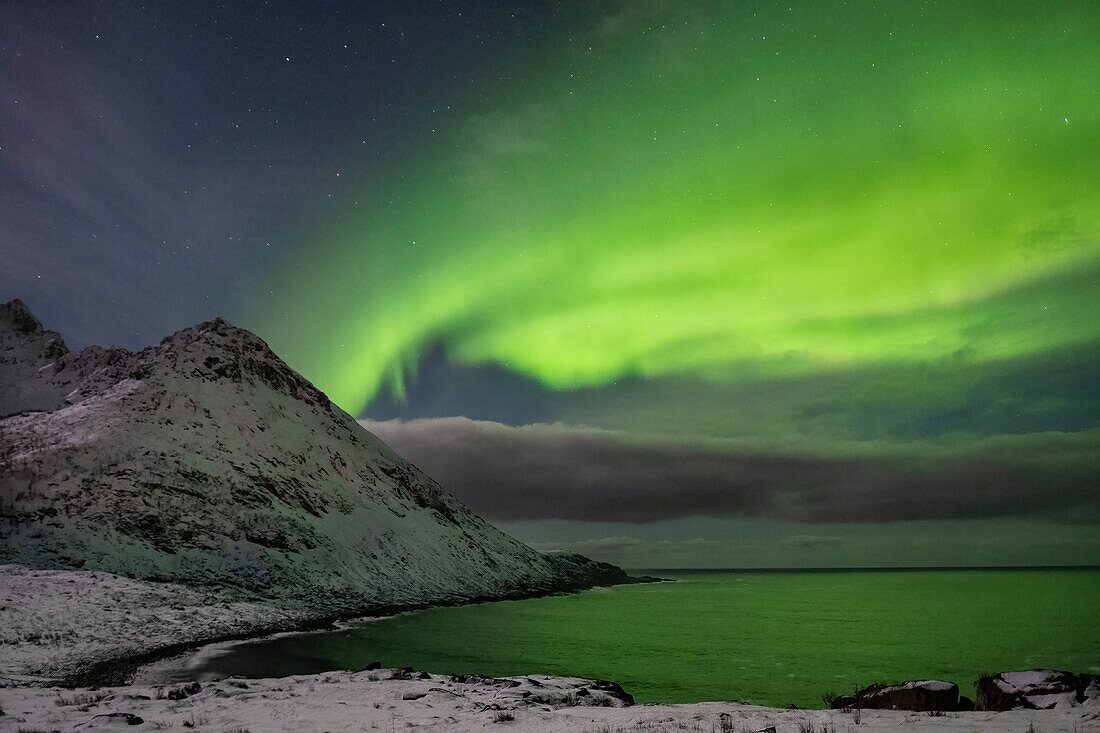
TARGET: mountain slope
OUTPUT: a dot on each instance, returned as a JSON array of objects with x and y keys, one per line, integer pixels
[{"x": 205, "y": 459}]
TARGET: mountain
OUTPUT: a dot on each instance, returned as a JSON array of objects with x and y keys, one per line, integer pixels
[{"x": 205, "y": 459}]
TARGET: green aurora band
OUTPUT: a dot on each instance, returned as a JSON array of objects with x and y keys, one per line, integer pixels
[{"x": 730, "y": 193}]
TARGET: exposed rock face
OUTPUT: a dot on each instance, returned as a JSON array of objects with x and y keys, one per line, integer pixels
[
  {"x": 206, "y": 459},
  {"x": 1037, "y": 689},
  {"x": 26, "y": 351},
  {"x": 591, "y": 573},
  {"x": 921, "y": 696}
]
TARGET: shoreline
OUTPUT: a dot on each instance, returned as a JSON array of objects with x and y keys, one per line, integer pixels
[
  {"x": 35, "y": 608},
  {"x": 84, "y": 627},
  {"x": 119, "y": 670}
]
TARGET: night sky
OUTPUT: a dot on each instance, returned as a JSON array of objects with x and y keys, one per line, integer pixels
[{"x": 672, "y": 284}]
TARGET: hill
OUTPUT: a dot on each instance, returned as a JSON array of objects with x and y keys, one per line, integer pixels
[{"x": 207, "y": 460}]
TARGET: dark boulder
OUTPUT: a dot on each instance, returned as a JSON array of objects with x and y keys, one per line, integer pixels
[
  {"x": 614, "y": 690},
  {"x": 110, "y": 720},
  {"x": 920, "y": 696},
  {"x": 1037, "y": 689},
  {"x": 184, "y": 691},
  {"x": 842, "y": 702}
]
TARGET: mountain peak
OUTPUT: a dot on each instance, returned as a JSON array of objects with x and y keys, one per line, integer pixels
[
  {"x": 219, "y": 350},
  {"x": 217, "y": 329},
  {"x": 38, "y": 373},
  {"x": 16, "y": 320},
  {"x": 16, "y": 317},
  {"x": 26, "y": 353}
]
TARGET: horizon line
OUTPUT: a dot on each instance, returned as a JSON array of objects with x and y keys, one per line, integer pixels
[{"x": 868, "y": 569}]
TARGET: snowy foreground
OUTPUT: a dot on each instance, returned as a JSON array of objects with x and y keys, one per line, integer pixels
[
  {"x": 373, "y": 700},
  {"x": 58, "y": 624}
]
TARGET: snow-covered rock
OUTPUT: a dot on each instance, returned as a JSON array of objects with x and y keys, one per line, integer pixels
[
  {"x": 919, "y": 695},
  {"x": 205, "y": 459},
  {"x": 922, "y": 695},
  {"x": 1036, "y": 689}
]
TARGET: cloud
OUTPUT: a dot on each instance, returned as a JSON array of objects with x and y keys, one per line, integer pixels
[
  {"x": 810, "y": 541},
  {"x": 725, "y": 542},
  {"x": 592, "y": 547},
  {"x": 546, "y": 471}
]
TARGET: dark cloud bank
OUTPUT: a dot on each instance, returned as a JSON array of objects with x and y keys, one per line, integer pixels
[{"x": 557, "y": 471}]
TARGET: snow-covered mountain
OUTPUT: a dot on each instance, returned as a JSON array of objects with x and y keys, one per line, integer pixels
[{"x": 206, "y": 459}]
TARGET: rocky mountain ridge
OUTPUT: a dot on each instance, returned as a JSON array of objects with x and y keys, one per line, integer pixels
[{"x": 206, "y": 459}]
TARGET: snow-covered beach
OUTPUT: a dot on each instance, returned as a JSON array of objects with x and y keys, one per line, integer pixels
[
  {"x": 374, "y": 700},
  {"x": 58, "y": 624}
]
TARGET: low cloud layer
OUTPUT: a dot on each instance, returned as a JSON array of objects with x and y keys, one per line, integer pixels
[
  {"x": 562, "y": 472},
  {"x": 714, "y": 542}
]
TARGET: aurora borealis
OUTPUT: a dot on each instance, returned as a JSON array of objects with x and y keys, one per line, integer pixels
[
  {"x": 822, "y": 271},
  {"x": 667, "y": 196}
]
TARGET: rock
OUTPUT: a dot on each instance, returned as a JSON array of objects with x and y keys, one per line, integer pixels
[
  {"x": 413, "y": 695},
  {"x": 841, "y": 702},
  {"x": 184, "y": 691},
  {"x": 965, "y": 703},
  {"x": 1037, "y": 689},
  {"x": 920, "y": 696},
  {"x": 109, "y": 720},
  {"x": 614, "y": 690},
  {"x": 1088, "y": 687},
  {"x": 372, "y": 665},
  {"x": 18, "y": 317},
  {"x": 480, "y": 679}
]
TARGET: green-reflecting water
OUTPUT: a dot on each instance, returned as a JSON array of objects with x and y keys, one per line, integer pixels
[{"x": 766, "y": 638}]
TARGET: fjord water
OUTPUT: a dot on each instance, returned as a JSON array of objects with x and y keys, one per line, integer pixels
[{"x": 769, "y": 638}]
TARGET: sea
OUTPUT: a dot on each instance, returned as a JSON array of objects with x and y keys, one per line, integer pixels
[{"x": 762, "y": 637}]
